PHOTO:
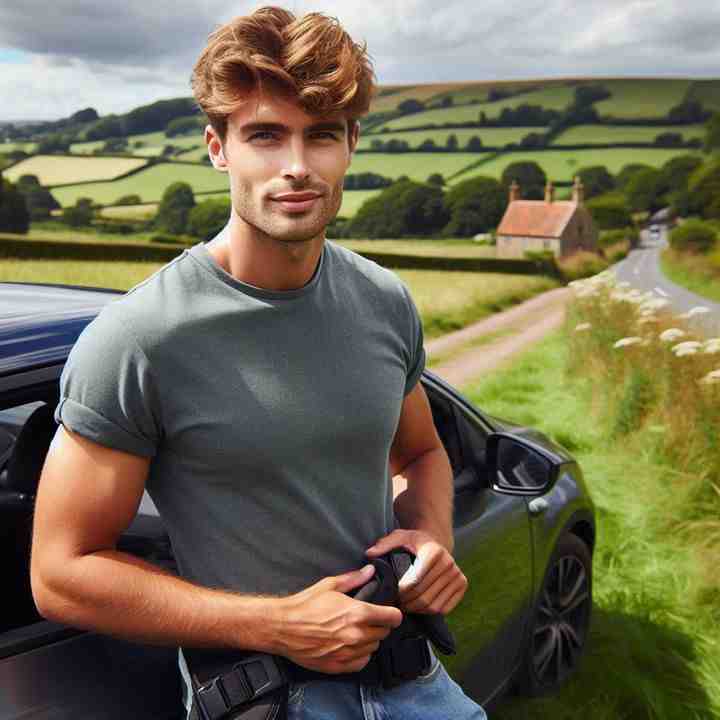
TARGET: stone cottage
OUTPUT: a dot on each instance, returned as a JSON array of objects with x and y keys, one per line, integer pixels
[{"x": 563, "y": 226}]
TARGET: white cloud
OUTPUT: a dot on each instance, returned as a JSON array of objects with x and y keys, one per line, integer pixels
[{"x": 119, "y": 55}]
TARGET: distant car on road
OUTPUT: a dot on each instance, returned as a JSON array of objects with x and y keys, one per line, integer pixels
[
  {"x": 524, "y": 528},
  {"x": 655, "y": 232}
]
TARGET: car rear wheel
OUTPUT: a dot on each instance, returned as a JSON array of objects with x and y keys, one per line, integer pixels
[{"x": 559, "y": 625}]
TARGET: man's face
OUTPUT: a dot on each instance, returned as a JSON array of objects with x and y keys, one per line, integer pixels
[{"x": 286, "y": 168}]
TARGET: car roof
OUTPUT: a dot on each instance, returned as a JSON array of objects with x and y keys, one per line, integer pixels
[{"x": 40, "y": 322}]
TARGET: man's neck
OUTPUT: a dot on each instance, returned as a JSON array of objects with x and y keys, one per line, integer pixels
[{"x": 263, "y": 261}]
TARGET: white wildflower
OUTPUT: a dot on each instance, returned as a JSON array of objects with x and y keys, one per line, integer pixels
[
  {"x": 711, "y": 346},
  {"x": 690, "y": 347},
  {"x": 653, "y": 304},
  {"x": 697, "y": 310},
  {"x": 583, "y": 326},
  {"x": 623, "y": 284},
  {"x": 672, "y": 334},
  {"x": 711, "y": 378},
  {"x": 647, "y": 319},
  {"x": 624, "y": 342}
]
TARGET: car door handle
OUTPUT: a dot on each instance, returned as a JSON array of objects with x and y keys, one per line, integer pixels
[{"x": 537, "y": 506}]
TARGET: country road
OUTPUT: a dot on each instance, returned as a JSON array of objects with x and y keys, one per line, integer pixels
[{"x": 641, "y": 268}]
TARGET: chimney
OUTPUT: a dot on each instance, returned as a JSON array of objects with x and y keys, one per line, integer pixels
[
  {"x": 514, "y": 191},
  {"x": 549, "y": 192},
  {"x": 578, "y": 193}
]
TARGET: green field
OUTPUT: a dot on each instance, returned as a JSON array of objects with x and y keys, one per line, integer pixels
[
  {"x": 446, "y": 300},
  {"x": 57, "y": 169},
  {"x": 416, "y": 166},
  {"x": 447, "y": 247},
  {"x": 492, "y": 137},
  {"x": 647, "y": 98},
  {"x": 602, "y": 134},
  {"x": 553, "y": 97},
  {"x": 152, "y": 143},
  {"x": 7, "y": 147},
  {"x": 197, "y": 154},
  {"x": 562, "y": 164},
  {"x": 148, "y": 184}
]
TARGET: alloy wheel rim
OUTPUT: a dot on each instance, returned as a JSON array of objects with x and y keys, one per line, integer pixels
[{"x": 561, "y": 621}]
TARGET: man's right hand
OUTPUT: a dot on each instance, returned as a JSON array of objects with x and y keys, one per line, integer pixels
[{"x": 326, "y": 630}]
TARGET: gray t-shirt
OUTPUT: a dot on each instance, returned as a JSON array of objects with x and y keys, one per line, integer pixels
[{"x": 268, "y": 415}]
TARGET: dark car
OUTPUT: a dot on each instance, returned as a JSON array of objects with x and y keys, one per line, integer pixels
[{"x": 524, "y": 527}]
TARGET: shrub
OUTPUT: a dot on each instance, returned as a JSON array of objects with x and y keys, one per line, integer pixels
[
  {"x": 608, "y": 238},
  {"x": 581, "y": 264},
  {"x": 645, "y": 189},
  {"x": 79, "y": 215},
  {"x": 209, "y": 217},
  {"x": 693, "y": 236},
  {"x": 129, "y": 200},
  {"x": 529, "y": 175},
  {"x": 167, "y": 238},
  {"x": 596, "y": 180},
  {"x": 704, "y": 187}
]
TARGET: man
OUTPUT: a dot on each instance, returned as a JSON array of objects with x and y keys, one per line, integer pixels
[{"x": 263, "y": 387}]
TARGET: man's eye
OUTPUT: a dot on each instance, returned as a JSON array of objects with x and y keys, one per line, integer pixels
[
  {"x": 263, "y": 135},
  {"x": 325, "y": 135}
]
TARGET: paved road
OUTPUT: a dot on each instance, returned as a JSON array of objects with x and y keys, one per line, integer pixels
[{"x": 641, "y": 268}]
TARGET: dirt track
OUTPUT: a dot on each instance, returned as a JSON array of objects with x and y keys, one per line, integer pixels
[{"x": 466, "y": 354}]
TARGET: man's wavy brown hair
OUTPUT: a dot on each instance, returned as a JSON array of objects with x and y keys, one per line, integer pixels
[{"x": 310, "y": 59}]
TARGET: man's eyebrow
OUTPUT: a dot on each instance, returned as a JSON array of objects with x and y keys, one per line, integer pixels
[
  {"x": 332, "y": 126},
  {"x": 263, "y": 127}
]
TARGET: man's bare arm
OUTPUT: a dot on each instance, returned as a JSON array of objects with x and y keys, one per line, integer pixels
[{"x": 89, "y": 494}]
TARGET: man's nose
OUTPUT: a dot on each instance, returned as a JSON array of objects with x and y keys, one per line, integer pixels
[{"x": 296, "y": 167}]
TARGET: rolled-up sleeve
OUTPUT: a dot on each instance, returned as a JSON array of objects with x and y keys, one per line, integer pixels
[{"x": 108, "y": 393}]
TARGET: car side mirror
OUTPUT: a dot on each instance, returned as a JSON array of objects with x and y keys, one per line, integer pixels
[{"x": 517, "y": 467}]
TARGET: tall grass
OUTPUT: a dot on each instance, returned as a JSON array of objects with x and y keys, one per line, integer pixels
[{"x": 653, "y": 650}]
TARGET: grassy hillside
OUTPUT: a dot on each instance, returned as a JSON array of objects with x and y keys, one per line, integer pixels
[
  {"x": 492, "y": 137},
  {"x": 606, "y": 134}
]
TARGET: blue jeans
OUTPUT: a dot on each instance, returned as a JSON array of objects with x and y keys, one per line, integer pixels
[{"x": 435, "y": 696}]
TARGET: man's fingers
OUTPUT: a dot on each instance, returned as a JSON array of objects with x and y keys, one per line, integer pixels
[{"x": 382, "y": 615}]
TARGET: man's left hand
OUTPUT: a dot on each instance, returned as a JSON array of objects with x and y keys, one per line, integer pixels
[{"x": 434, "y": 583}]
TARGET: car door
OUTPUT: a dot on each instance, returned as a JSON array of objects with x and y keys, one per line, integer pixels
[
  {"x": 493, "y": 549},
  {"x": 48, "y": 670}
]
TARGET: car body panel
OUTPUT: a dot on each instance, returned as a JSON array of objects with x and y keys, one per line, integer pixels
[{"x": 501, "y": 547}]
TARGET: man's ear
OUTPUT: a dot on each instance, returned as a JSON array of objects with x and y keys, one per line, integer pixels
[
  {"x": 353, "y": 137},
  {"x": 215, "y": 149}
]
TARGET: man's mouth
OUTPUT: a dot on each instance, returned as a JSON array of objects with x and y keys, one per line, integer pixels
[{"x": 297, "y": 201}]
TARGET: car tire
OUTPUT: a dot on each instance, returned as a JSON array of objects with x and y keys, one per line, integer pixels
[{"x": 560, "y": 621}]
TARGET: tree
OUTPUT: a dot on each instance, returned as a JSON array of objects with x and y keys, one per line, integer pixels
[
  {"x": 427, "y": 145},
  {"x": 688, "y": 111},
  {"x": 609, "y": 211},
  {"x": 394, "y": 145},
  {"x": 411, "y": 105},
  {"x": 405, "y": 208},
  {"x": 39, "y": 200},
  {"x": 645, "y": 190},
  {"x": 107, "y": 127},
  {"x": 669, "y": 139},
  {"x": 533, "y": 140},
  {"x": 54, "y": 143},
  {"x": 451, "y": 143},
  {"x": 588, "y": 94},
  {"x": 704, "y": 188},
  {"x": 14, "y": 214},
  {"x": 627, "y": 172},
  {"x": 174, "y": 208},
  {"x": 474, "y": 144},
  {"x": 209, "y": 217},
  {"x": 712, "y": 133},
  {"x": 677, "y": 170},
  {"x": 475, "y": 205},
  {"x": 596, "y": 180},
  {"x": 436, "y": 179},
  {"x": 447, "y": 101},
  {"x": 529, "y": 175},
  {"x": 376, "y": 144},
  {"x": 117, "y": 144},
  {"x": 189, "y": 125}
]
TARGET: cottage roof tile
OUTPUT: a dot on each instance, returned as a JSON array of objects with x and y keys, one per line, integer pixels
[{"x": 536, "y": 218}]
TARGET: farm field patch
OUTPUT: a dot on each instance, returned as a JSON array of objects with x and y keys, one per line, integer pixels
[
  {"x": 492, "y": 137},
  {"x": 148, "y": 184},
  {"x": 707, "y": 92},
  {"x": 647, "y": 98},
  {"x": 581, "y": 134},
  {"x": 56, "y": 169},
  {"x": 563, "y": 164},
  {"x": 417, "y": 166}
]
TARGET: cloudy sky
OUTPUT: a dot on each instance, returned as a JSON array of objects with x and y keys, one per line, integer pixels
[{"x": 58, "y": 56}]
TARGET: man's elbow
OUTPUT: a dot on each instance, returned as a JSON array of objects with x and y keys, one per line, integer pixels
[{"x": 46, "y": 585}]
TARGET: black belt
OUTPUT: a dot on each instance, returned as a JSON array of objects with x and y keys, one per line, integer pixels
[{"x": 227, "y": 680}]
